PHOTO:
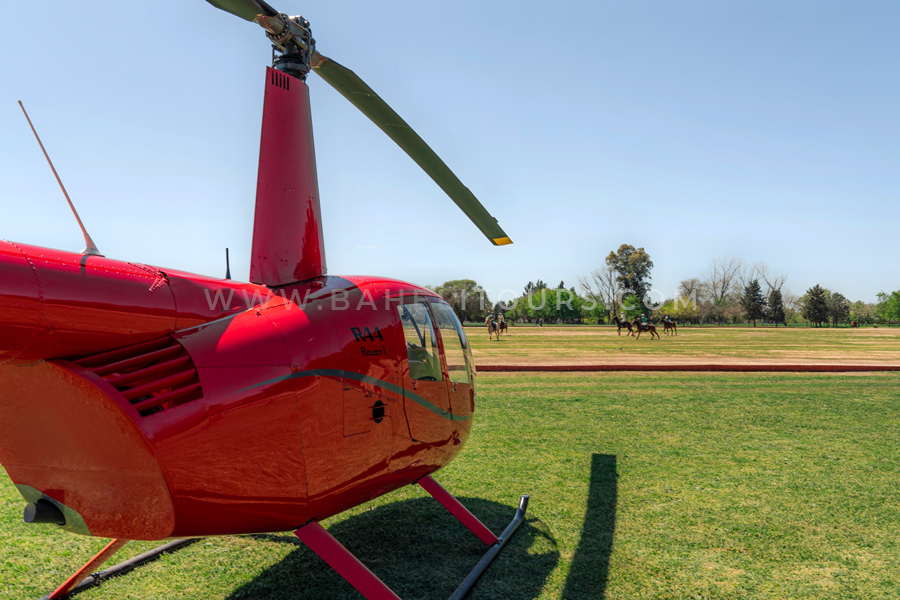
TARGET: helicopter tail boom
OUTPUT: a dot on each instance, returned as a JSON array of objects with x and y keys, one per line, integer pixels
[{"x": 57, "y": 304}]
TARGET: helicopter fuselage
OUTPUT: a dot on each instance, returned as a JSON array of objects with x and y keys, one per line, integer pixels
[{"x": 147, "y": 403}]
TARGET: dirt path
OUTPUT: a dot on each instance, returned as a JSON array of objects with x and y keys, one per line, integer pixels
[{"x": 593, "y": 345}]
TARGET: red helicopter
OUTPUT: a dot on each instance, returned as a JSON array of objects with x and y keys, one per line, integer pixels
[{"x": 145, "y": 403}]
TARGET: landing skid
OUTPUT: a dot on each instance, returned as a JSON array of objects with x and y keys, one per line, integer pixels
[
  {"x": 323, "y": 544},
  {"x": 367, "y": 583},
  {"x": 84, "y": 578}
]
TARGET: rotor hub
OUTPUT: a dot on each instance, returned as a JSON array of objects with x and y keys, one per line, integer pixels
[{"x": 293, "y": 45}]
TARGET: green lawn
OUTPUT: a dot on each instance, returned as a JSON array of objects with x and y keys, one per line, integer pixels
[
  {"x": 643, "y": 486},
  {"x": 592, "y": 344}
]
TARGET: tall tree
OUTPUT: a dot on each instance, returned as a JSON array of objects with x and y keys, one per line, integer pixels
[
  {"x": 838, "y": 308},
  {"x": 861, "y": 312},
  {"x": 632, "y": 266},
  {"x": 467, "y": 299},
  {"x": 815, "y": 305},
  {"x": 753, "y": 302},
  {"x": 690, "y": 301},
  {"x": 722, "y": 278},
  {"x": 690, "y": 291},
  {"x": 601, "y": 288},
  {"x": 888, "y": 306},
  {"x": 774, "y": 281},
  {"x": 775, "y": 307}
]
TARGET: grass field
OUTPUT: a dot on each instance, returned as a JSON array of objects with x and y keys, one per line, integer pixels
[
  {"x": 644, "y": 486},
  {"x": 592, "y": 344}
]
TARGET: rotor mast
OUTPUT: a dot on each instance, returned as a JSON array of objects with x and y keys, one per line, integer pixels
[{"x": 288, "y": 242}]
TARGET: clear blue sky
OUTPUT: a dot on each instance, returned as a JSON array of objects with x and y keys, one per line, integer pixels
[{"x": 764, "y": 130}]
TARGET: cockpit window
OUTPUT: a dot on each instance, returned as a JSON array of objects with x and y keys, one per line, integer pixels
[
  {"x": 421, "y": 346},
  {"x": 456, "y": 345}
]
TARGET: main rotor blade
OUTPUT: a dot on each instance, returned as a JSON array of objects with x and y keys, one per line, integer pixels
[
  {"x": 245, "y": 9},
  {"x": 354, "y": 89}
]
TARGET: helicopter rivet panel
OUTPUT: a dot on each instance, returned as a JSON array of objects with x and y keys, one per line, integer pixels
[{"x": 160, "y": 279}]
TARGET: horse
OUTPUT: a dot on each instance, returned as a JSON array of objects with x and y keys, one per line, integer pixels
[
  {"x": 503, "y": 328},
  {"x": 623, "y": 325},
  {"x": 644, "y": 327},
  {"x": 492, "y": 329},
  {"x": 667, "y": 325}
]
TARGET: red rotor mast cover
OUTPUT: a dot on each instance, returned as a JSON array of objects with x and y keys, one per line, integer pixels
[{"x": 287, "y": 231}]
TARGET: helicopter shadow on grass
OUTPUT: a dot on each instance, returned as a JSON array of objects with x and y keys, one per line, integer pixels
[
  {"x": 420, "y": 551},
  {"x": 589, "y": 572}
]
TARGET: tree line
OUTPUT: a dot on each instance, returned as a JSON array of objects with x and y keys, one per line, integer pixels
[
  {"x": 728, "y": 292},
  {"x": 538, "y": 303}
]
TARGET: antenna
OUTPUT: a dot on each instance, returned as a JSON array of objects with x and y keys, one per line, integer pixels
[
  {"x": 91, "y": 247},
  {"x": 227, "y": 265}
]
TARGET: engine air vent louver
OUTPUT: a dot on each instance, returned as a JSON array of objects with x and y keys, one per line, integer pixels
[{"x": 153, "y": 376}]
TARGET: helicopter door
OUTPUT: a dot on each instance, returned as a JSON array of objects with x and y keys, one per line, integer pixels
[
  {"x": 426, "y": 399},
  {"x": 460, "y": 366}
]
